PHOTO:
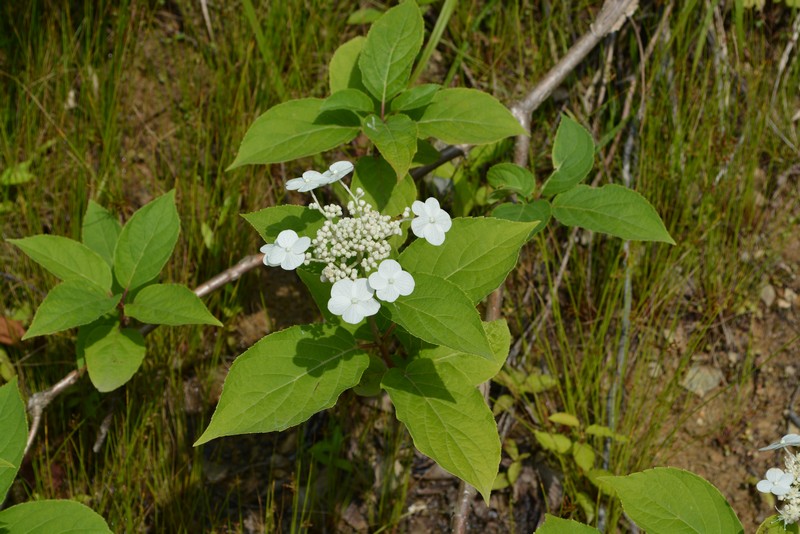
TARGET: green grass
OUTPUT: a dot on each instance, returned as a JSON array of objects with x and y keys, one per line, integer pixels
[{"x": 169, "y": 109}]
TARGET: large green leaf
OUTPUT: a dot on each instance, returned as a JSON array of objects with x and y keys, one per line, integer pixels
[
  {"x": 100, "y": 231},
  {"x": 285, "y": 378},
  {"x": 293, "y": 130},
  {"x": 416, "y": 97},
  {"x": 440, "y": 313},
  {"x": 170, "y": 304},
  {"x": 343, "y": 71},
  {"x": 69, "y": 304},
  {"x": 668, "y": 500},
  {"x": 13, "y": 436},
  {"x": 396, "y": 138},
  {"x": 611, "y": 209},
  {"x": 112, "y": 355},
  {"x": 537, "y": 211},
  {"x": 556, "y": 525},
  {"x": 146, "y": 242},
  {"x": 467, "y": 116},
  {"x": 67, "y": 259},
  {"x": 573, "y": 157},
  {"x": 477, "y": 254},
  {"x": 474, "y": 368},
  {"x": 448, "y": 420},
  {"x": 349, "y": 99},
  {"x": 508, "y": 178},
  {"x": 382, "y": 189},
  {"x": 388, "y": 54},
  {"x": 52, "y": 517},
  {"x": 269, "y": 222}
]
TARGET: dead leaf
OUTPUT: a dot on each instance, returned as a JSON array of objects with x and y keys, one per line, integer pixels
[{"x": 11, "y": 331}]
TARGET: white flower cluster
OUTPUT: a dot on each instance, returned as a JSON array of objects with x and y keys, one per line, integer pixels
[
  {"x": 355, "y": 248},
  {"x": 353, "y": 245},
  {"x": 785, "y": 485}
]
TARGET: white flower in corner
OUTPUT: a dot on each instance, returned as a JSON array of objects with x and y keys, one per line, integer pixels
[
  {"x": 431, "y": 222},
  {"x": 338, "y": 171},
  {"x": 288, "y": 251},
  {"x": 777, "y": 482},
  {"x": 789, "y": 440},
  {"x": 310, "y": 180},
  {"x": 390, "y": 281},
  {"x": 353, "y": 300}
]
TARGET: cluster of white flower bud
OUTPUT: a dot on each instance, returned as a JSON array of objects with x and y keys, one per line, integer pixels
[
  {"x": 351, "y": 247},
  {"x": 790, "y": 513}
]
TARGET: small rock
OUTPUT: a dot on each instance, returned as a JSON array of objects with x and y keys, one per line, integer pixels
[
  {"x": 768, "y": 295},
  {"x": 790, "y": 370},
  {"x": 790, "y": 296},
  {"x": 784, "y": 304},
  {"x": 733, "y": 358},
  {"x": 700, "y": 379}
]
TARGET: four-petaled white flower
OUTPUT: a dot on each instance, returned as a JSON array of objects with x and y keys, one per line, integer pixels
[
  {"x": 337, "y": 171},
  {"x": 789, "y": 440},
  {"x": 391, "y": 281},
  {"x": 431, "y": 222},
  {"x": 353, "y": 300},
  {"x": 288, "y": 251},
  {"x": 777, "y": 482},
  {"x": 310, "y": 180}
]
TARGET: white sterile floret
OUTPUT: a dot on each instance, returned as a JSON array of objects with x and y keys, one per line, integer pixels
[
  {"x": 337, "y": 171},
  {"x": 310, "y": 180},
  {"x": 789, "y": 440},
  {"x": 288, "y": 251},
  {"x": 777, "y": 482},
  {"x": 391, "y": 281},
  {"x": 353, "y": 300},
  {"x": 431, "y": 222}
]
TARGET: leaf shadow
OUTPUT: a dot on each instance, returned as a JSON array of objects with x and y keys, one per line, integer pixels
[
  {"x": 422, "y": 379},
  {"x": 323, "y": 351}
]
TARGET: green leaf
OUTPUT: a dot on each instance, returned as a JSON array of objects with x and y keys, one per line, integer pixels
[
  {"x": 66, "y": 259},
  {"x": 349, "y": 99},
  {"x": 171, "y": 304},
  {"x": 508, "y": 178},
  {"x": 292, "y": 130},
  {"x": 426, "y": 153},
  {"x": 537, "y": 211},
  {"x": 774, "y": 525},
  {"x": 17, "y": 174},
  {"x": 146, "y": 242},
  {"x": 112, "y": 355},
  {"x": 583, "y": 455},
  {"x": 557, "y": 443},
  {"x": 396, "y": 139},
  {"x": 611, "y": 209},
  {"x": 343, "y": 71},
  {"x": 671, "y": 500},
  {"x": 13, "y": 436},
  {"x": 285, "y": 378},
  {"x": 448, "y": 420},
  {"x": 383, "y": 190},
  {"x": 467, "y": 116},
  {"x": 556, "y": 525},
  {"x": 269, "y": 222},
  {"x": 393, "y": 41},
  {"x": 573, "y": 157},
  {"x": 100, "y": 231},
  {"x": 416, "y": 97},
  {"x": 370, "y": 384},
  {"x": 564, "y": 418},
  {"x": 474, "y": 368},
  {"x": 477, "y": 254},
  {"x": 440, "y": 313},
  {"x": 52, "y": 517},
  {"x": 69, "y": 304}
]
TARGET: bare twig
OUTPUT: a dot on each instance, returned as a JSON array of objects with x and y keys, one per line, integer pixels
[
  {"x": 787, "y": 53},
  {"x": 611, "y": 17},
  {"x": 40, "y": 400}
]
